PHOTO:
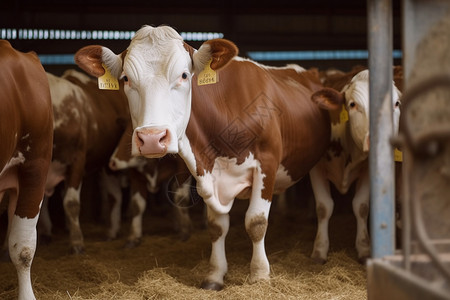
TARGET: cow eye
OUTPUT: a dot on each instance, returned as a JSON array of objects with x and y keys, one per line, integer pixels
[
  {"x": 184, "y": 75},
  {"x": 397, "y": 104},
  {"x": 352, "y": 104}
]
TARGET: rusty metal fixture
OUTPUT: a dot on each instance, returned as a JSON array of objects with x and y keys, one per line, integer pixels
[{"x": 424, "y": 145}]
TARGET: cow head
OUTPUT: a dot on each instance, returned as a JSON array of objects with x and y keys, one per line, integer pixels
[
  {"x": 157, "y": 69},
  {"x": 355, "y": 97}
]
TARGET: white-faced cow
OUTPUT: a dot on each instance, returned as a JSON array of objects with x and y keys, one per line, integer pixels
[
  {"x": 26, "y": 134},
  {"x": 346, "y": 160},
  {"x": 252, "y": 131},
  {"x": 88, "y": 124},
  {"x": 151, "y": 175}
]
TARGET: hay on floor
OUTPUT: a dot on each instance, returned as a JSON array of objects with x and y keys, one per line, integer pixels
[{"x": 163, "y": 267}]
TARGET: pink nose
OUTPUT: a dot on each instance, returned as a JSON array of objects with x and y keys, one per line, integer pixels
[{"x": 152, "y": 142}]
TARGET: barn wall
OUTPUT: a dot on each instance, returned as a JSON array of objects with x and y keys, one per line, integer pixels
[{"x": 268, "y": 26}]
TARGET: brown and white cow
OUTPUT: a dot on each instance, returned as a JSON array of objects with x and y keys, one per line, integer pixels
[
  {"x": 88, "y": 124},
  {"x": 26, "y": 134},
  {"x": 249, "y": 133},
  {"x": 149, "y": 175},
  {"x": 346, "y": 160}
]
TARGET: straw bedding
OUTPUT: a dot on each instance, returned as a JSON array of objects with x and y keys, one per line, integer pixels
[{"x": 163, "y": 267}]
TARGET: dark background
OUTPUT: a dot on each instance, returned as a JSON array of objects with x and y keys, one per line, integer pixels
[{"x": 279, "y": 25}]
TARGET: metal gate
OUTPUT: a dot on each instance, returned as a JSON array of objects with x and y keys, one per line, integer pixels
[{"x": 421, "y": 270}]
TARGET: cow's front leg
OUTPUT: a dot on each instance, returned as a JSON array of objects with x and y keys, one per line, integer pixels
[
  {"x": 22, "y": 240},
  {"x": 138, "y": 203},
  {"x": 361, "y": 210},
  {"x": 111, "y": 193},
  {"x": 218, "y": 225},
  {"x": 181, "y": 211},
  {"x": 256, "y": 220},
  {"x": 71, "y": 204},
  {"x": 22, "y": 246},
  {"x": 324, "y": 210}
]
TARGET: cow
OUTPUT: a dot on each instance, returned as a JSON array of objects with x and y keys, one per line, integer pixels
[
  {"x": 346, "y": 160},
  {"x": 244, "y": 130},
  {"x": 26, "y": 134},
  {"x": 88, "y": 124},
  {"x": 150, "y": 175}
]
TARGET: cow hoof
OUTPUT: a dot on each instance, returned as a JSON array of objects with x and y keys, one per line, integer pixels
[
  {"x": 256, "y": 279},
  {"x": 318, "y": 260},
  {"x": 77, "y": 250},
  {"x": 132, "y": 244},
  {"x": 212, "y": 286}
]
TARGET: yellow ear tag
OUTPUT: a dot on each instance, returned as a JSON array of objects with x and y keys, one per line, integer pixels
[
  {"x": 343, "y": 116},
  {"x": 398, "y": 155},
  {"x": 208, "y": 75},
  {"x": 107, "y": 81}
]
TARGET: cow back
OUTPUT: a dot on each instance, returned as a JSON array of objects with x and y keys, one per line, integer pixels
[
  {"x": 24, "y": 101},
  {"x": 25, "y": 125},
  {"x": 258, "y": 109},
  {"x": 89, "y": 119}
]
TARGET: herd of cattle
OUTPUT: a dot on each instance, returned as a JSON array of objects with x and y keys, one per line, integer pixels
[{"x": 235, "y": 128}]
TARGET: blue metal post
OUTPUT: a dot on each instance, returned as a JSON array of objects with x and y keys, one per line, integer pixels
[{"x": 381, "y": 158}]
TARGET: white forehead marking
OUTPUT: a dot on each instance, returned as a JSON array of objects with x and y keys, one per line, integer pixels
[
  {"x": 358, "y": 90},
  {"x": 154, "y": 50}
]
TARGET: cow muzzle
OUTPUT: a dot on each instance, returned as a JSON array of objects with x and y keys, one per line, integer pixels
[{"x": 152, "y": 142}]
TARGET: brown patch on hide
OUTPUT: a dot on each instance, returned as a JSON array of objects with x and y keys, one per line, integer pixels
[
  {"x": 321, "y": 211},
  {"x": 257, "y": 228},
  {"x": 364, "y": 211},
  {"x": 335, "y": 148},
  {"x": 215, "y": 231}
]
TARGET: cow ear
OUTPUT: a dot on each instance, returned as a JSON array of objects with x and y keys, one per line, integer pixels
[
  {"x": 328, "y": 98},
  {"x": 91, "y": 58},
  {"x": 219, "y": 51}
]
